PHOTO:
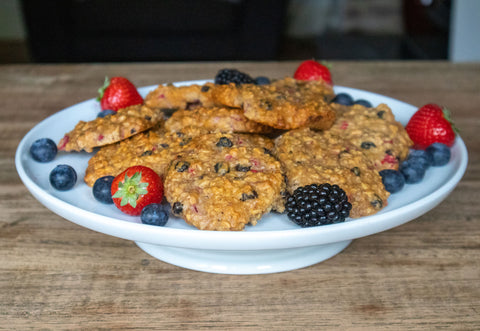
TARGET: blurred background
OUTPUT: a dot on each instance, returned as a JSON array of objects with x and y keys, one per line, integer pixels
[{"x": 205, "y": 30}]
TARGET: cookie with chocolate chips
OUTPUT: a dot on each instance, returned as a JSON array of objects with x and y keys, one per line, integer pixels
[
  {"x": 225, "y": 181},
  {"x": 125, "y": 123}
]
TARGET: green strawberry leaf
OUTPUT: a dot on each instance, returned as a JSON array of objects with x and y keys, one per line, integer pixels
[
  {"x": 102, "y": 89},
  {"x": 448, "y": 116},
  {"x": 130, "y": 190}
]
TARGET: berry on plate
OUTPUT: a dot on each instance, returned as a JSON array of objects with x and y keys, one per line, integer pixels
[
  {"x": 393, "y": 180},
  {"x": 412, "y": 171},
  {"x": 440, "y": 154},
  {"x": 431, "y": 124},
  {"x": 314, "y": 205},
  {"x": 343, "y": 99},
  {"x": 313, "y": 70},
  {"x": 135, "y": 188},
  {"x": 118, "y": 93},
  {"x": 43, "y": 150},
  {"x": 154, "y": 214},
  {"x": 63, "y": 177},
  {"x": 227, "y": 76},
  {"x": 102, "y": 189}
]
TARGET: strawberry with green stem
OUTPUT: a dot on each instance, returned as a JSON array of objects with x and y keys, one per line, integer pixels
[
  {"x": 431, "y": 124},
  {"x": 118, "y": 93},
  {"x": 135, "y": 188}
]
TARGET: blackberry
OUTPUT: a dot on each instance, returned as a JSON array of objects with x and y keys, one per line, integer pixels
[
  {"x": 227, "y": 76},
  {"x": 318, "y": 204}
]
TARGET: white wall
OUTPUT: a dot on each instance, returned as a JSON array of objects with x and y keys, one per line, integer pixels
[{"x": 464, "y": 41}]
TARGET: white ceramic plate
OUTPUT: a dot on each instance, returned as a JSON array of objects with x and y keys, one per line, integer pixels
[{"x": 275, "y": 244}]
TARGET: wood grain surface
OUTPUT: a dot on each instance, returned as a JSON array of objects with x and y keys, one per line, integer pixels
[{"x": 56, "y": 275}]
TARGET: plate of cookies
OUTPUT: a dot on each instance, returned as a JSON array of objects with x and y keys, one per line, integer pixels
[{"x": 256, "y": 176}]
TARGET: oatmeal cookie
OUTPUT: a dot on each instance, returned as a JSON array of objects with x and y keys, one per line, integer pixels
[
  {"x": 284, "y": 104},
  {"x": 170, "y": 97},
  {"x": 110, "y": 129},
  {"x": 225, "y": 181},
  {"x": 309, "y": 157},
  {"x": 375, "y": 132},
  {"x": 214, "y": 119},
  {"x": 154, "y": 149}
]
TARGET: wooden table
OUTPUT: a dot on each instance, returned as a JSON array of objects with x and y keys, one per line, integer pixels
[{"x": 57, "y": 275}]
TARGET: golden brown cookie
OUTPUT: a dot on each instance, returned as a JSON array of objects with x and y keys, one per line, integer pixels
[
  {"x": 375, "y": 132},
  {"x": 214, "y": 119},
  {"x": 284, "y": 104},
  {"x": 110, "y": 129},
  {"x": 225, "y": 181},
  {"x": 170, "y": 97},
  {"x": 154, "y": 149},
  {"x": 310, "y": 157}
]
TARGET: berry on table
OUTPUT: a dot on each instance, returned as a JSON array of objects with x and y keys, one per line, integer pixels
[
  {"x": 440, "y": 154},
  {"x": 63, "y": 177},
  {"x": 343, "y": 99},
  {"x": 154, "y": 214},
  {"x": 102, "y": 189},
  {"x": 43, "y": 150},
  {"x": 393, "y": 180},
  {"x": 227, "y": 76},
  {"x": 314, "y": 205}
]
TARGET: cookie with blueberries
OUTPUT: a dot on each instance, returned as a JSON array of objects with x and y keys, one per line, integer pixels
[
  {"x": 225, "y": 181},
  {"x": 375, "y": 132},
  {"x": 283, "y": 104},
  {"x": 311, "y": 157},
  {"x": 154, "y": 149},
  {"x": 110, "y": 129},
  {"x": 214, "y": 119}
]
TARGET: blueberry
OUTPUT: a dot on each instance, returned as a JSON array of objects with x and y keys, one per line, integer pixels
[
  {"x": 393, "y": 180},
  {"x": 440, "y": 154},
  {"x": 102, "y": 189},
  {"x": 420, "y": 158},
  {"x": 106, "y": 112},
  {"x": 343, "y": 99},
  {"x": 43, "y": 150},
  {"x": 262, "y": 80},
  {"x": 412, "y": 171},
  {"x": 154, "y": 214},
  {"x": 63, "y": 177},
  {"x": 363, "y": 102}
]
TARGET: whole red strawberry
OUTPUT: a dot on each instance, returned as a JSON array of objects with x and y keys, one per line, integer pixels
[
  {"x": 117, "y": 93},
  {"x": 135, "y": 188},
  {"x": 313, "y": 70},
  {"x": 431, "y": 124}
]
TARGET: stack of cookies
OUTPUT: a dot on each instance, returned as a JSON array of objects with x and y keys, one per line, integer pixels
[{"x": 230, "y": 153}]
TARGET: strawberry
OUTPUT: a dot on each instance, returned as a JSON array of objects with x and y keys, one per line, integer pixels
[
  {"x": 117, "y": 93},
  {"x": 313, "y": 70},
  {"x": 135, "y": 188},
  {"x": 430, "y": 124}
]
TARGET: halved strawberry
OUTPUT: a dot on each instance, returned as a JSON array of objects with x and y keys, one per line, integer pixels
[{"x": 135, "y": 188}]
